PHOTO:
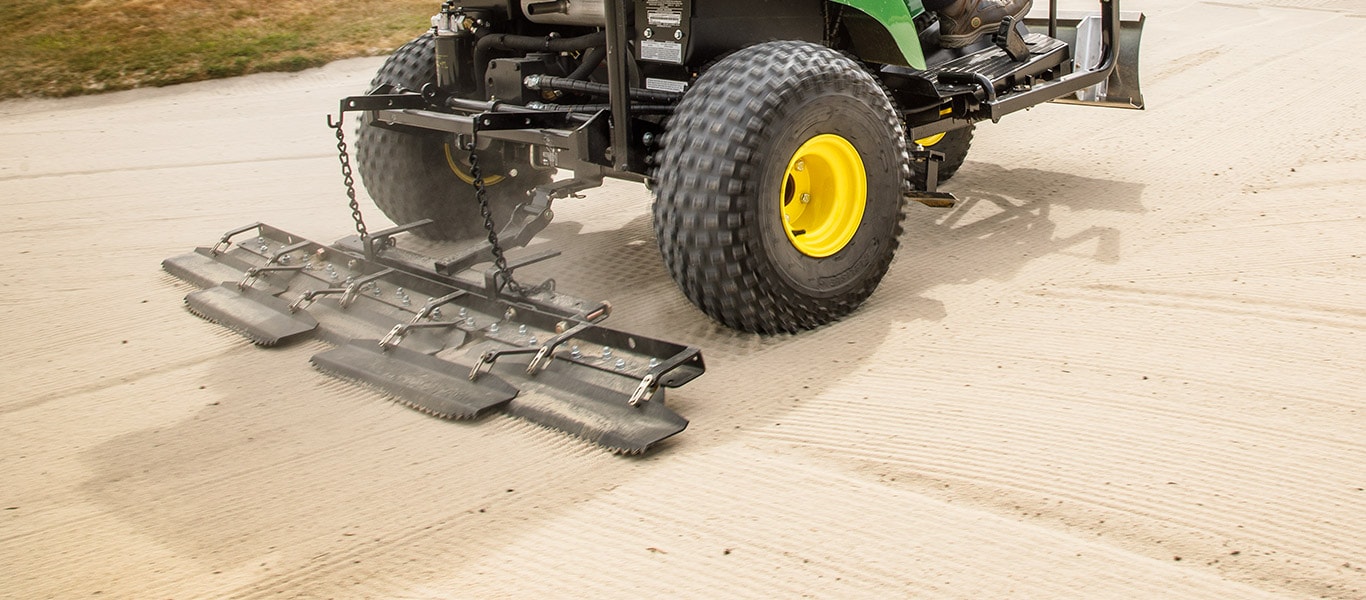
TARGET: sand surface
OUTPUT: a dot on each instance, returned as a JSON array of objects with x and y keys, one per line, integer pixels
[{"x": 1131, "y": 364}]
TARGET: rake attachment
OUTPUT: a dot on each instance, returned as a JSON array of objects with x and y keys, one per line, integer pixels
[{"x": 447, "y": 345}]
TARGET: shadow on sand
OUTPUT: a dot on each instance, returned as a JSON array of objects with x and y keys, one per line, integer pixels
[{"x": 166, "y": 480}]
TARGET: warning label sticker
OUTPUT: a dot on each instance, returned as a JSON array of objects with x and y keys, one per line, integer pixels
[
  {"x": 668, "y": 52},
  {"x": 665, "y": 85}
]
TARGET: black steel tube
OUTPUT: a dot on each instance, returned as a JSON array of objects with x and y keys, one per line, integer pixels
[
  {"x": 548, "y": 82},
  {"x": 592, "y": 108},
  {"x": 1053, "y": 19},
  {"x": 544, "y": 8},
  {"x": 618, "y": 97}
]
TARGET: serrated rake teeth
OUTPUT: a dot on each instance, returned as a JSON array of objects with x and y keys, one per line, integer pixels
[
  {"x": 258, "y": 316},
  {"x": 249, "y": 335},
  {"x": 572, "y": 399},
  {"x": 437, "y": 387}
]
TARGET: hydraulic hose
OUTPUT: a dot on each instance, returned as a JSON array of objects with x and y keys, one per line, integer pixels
[{"x": 591, "y": 61}]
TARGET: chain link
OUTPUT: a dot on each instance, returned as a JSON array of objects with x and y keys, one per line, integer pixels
[
  {"x": 504, "y": 273},
  {"x": 500, "y": 263},
  {"x": 347, "y": 178}
]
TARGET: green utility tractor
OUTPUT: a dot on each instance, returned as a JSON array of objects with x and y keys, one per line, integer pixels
[
  {"x": 782, "y": 140},
  {"x": 781, "y": 137}
]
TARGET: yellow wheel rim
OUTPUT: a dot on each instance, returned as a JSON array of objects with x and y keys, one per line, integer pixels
[
  {"x": 824, "y": 193},
  {"x": 466, "y": 177}
]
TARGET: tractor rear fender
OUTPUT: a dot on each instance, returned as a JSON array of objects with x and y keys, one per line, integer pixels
[{"x": 897, "y": 18}]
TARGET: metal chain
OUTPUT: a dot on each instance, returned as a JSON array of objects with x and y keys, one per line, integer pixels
[
  {"x": 347, "y": 178},
  {"x": 480, "y": 193},
  {"x": 499, "y": 261},
  {"x": 832, "y": 24}
]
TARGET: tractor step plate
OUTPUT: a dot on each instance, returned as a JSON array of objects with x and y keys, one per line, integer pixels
[
  {"x": 998, "y": 68},
  {"x": 446, "y": 345}
]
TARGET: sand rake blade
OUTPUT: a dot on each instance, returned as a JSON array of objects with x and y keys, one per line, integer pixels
[
  {"x": 424, "y": 382},
  {"x": 613, "y": 425},
  {"x": 204, "y": 269},
  {"x": 587, "y": 404},
  {"x": 264, "y": 319}
]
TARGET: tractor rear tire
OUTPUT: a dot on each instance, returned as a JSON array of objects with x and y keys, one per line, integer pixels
[
  {"x": 954, "y": 144},
  {"x": 780, "y": 188},
  {"x": 414, "y": 175}
]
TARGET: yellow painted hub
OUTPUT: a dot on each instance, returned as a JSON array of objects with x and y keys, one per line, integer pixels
[
  {"x": 464, "y": 176},
  {"x": 825, "y": 190},
  {"x": 930, "y": 141},
  {"x": 926, "y": 142}
]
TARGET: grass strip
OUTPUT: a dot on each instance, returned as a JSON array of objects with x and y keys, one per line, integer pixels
[{"x": 52, "y": 48}]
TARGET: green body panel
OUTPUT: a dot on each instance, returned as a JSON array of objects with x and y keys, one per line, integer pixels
[{"x": 898, "y": 16}]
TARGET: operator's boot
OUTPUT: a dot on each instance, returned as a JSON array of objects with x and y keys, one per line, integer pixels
[{"x": 963, "y": 22}]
